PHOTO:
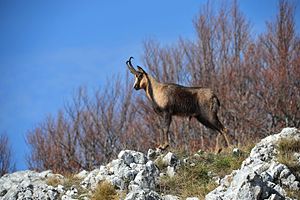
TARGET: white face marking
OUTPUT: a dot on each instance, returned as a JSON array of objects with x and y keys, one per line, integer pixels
[{"x": 135, "y": 81}]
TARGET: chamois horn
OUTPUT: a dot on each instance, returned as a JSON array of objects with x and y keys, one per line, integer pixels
[{"x": 130, "y": 67}]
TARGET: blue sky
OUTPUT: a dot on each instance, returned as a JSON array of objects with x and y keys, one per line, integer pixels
[{"x": 50, "y": 48}]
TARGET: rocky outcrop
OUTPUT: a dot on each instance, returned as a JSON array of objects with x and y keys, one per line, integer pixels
[
  {"x": 131, "y": 171},
  {"x": 28, "y": 185},
  {"x": 261, "y": 176}
]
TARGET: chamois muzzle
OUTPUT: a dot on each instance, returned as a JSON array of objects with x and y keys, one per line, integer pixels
[{"x": 136, "y": 87}]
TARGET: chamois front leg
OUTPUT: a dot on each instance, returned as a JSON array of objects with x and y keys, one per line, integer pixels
[{"x": 167, "y": 118}]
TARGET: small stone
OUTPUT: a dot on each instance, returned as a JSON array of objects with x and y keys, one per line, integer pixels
[
  {"x": 275, "y": 197},
  {"x": 200, "y": 152},
  {"x": 284, "y": 173},
  {"x": 72, "y": 192},
  {"x": 236, "y": 152},
  {"x": 297, "y": 156},
  {"x": 66, "y": 197},
  {"x": 170, "y": 159},
  {"x": 132, "y": 156},
  {"x": 216, "y": 179},
  {"x": 196, "y": 155},
  {"x": 82, "y": 175},
  {"x": 60, "y": 188},
  {"x": 170, "y": 197},
  {"x": 171, "y": 171},
  {"x": 143, "y": 195},
  {"x": 295, "y": 186},
  {"x": 192, "y": 198},
  {"x": 46, "y": 174},
  {"x": 151, "y": 154},
  {"x": 289, "y": 180}
]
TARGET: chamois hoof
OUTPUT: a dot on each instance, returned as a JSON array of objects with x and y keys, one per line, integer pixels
[
  {"x": 163, "y": 147},
  {"x": 218, "y": 151}
]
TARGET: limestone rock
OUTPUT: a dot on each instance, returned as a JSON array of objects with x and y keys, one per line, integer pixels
[
  {"x": 260, "y": 176},
  {"x": 27, "y": 185},
  {"x": 170, "y": 159},
  {"x": 170, "y": 197},
  {"x": 143, "y": 195},
  {"x": 129, "y": 157}
]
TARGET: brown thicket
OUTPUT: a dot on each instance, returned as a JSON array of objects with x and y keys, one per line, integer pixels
[
  {"x": 256, "y": 77},
  {"x": 6, "y": 163}
]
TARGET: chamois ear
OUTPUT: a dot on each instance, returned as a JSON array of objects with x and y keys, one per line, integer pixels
[{"x": 141, "y": 70}]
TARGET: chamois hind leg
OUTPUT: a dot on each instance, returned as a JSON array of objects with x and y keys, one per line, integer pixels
[
  {"x": 218, "y": 148},
  {"x": 222, "y": 133},
  {"x": 215, "y": 125},
  {"x": 225, "y": 134},
  {"x": 208, "y": 124}
]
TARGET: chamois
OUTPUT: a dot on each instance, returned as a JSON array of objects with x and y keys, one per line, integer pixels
[{"x": 170, "y": 99}]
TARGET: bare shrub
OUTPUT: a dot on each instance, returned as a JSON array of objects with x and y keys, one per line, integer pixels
[
  {"x": 6, "y": 163},
  {"x": 86, "y": 133},
  {"x": 255, "y": 77}
]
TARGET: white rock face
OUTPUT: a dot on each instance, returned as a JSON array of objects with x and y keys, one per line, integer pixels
[
  {"x": 132, "y": 170},
  {"x": 260, "y": 176},
  {"x": 27, "y": 185}
]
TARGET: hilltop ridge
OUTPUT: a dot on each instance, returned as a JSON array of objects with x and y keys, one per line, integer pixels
[{"x": 271, "y": 171}]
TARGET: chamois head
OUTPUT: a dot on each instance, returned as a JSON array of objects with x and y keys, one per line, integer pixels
[{"x": 140, "y": 75}]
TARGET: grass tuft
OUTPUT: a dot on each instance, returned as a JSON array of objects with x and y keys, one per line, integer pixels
[
  {"x": 294, "y": 194},
  {"x": 287, "y": 148},
  {"x": 68, "y": 182},
  {"x": 105, "y": 191},
  {"x": 53, "y": 181},
  {"x": 197, "y": 179}
]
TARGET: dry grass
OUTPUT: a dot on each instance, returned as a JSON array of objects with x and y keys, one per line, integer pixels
[
  {"x": 105, "y": 191},
  {"x": 287, "y": 148},
  {"x": 294, "y": 194},
  {"x": 68, "y": 182},
  {"x": 54, "y": 181},
  {"x": 196, "y": 179}
]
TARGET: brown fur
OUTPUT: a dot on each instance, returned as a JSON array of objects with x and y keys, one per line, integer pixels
[{"x": 173, "y": 99}]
